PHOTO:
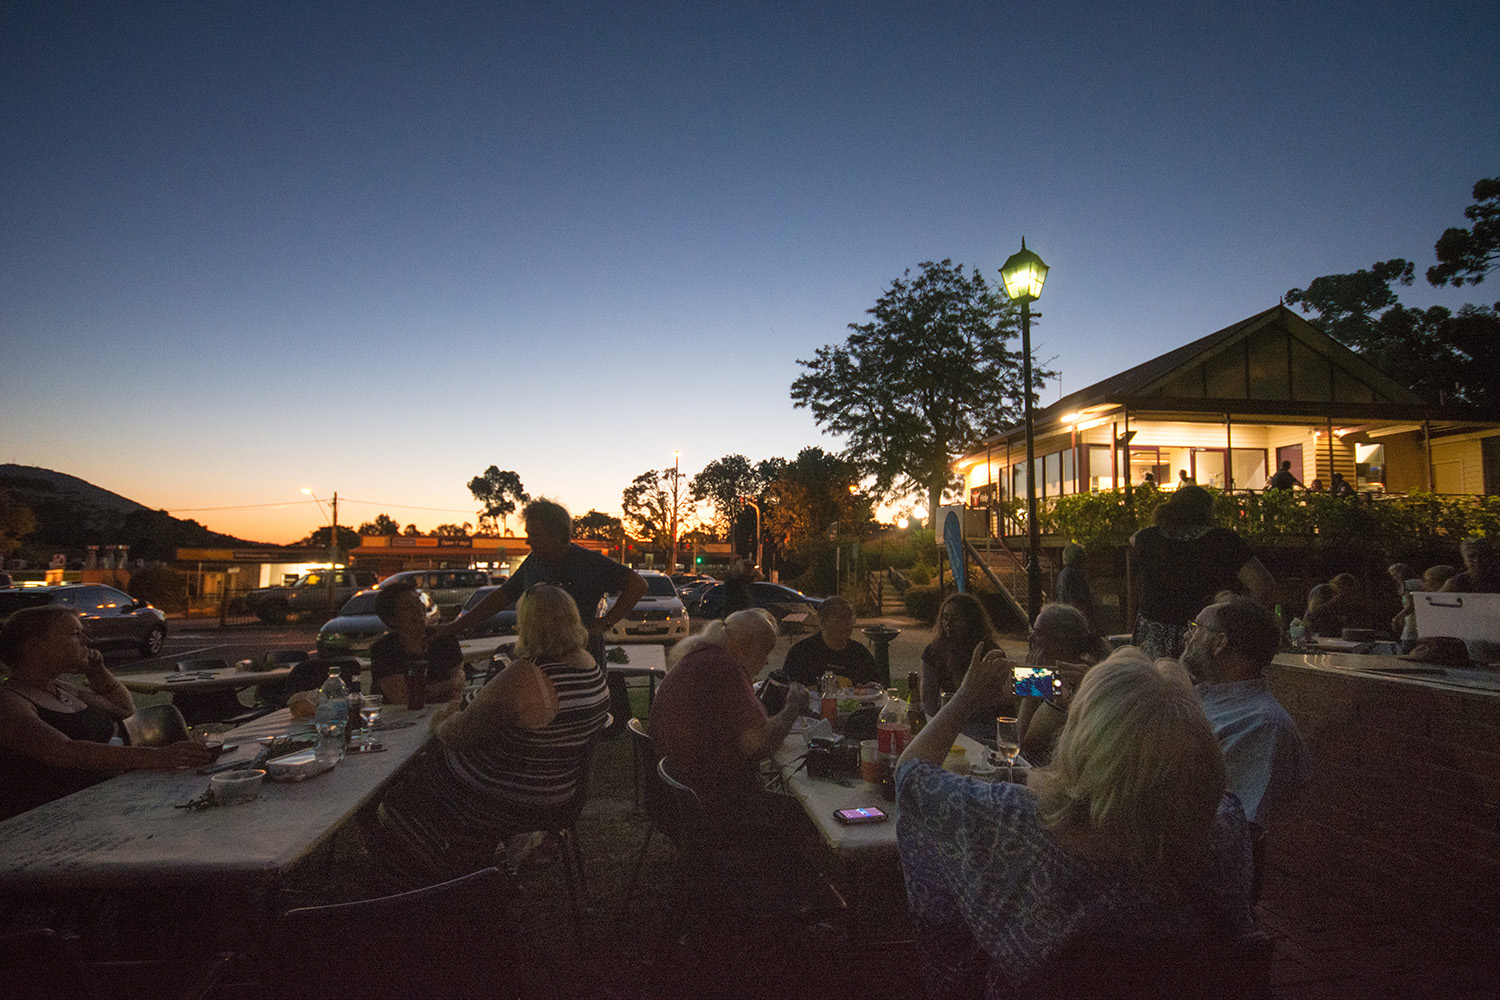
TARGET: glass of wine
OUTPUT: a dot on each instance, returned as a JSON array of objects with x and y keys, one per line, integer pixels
[
  {"x": 369, "y": 714},
  {"x": 1008, "y": 740}
]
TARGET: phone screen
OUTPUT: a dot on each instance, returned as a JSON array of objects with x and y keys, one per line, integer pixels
[
  {"x": 868, "y": 814},
  {"x": 1035, "y": 682}
]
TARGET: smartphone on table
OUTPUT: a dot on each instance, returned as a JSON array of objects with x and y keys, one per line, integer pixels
[{"x": 866, "y": 814}]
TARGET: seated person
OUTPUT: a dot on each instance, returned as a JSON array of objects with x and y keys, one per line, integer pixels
[
  {"x": 1227, "y": 652},
  {"x": 1127, "y": 832},
  {"x": 1061, "y": 639},
  {"x": 707, "y": 721},
  {"x": 962, "y": 624},
  {"x": 400, "y": 607},
  {"x": 833, "y": 648},
  {"x": 520, "y": 746},
  {"x": 1481, "y": 572},
  {"x": 54, "y": 736}
]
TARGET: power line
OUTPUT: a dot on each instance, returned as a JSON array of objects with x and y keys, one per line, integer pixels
[{"x": 296, "y": 503}]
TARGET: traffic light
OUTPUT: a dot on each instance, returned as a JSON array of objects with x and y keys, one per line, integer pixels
[{"x": 698, "y": 561}]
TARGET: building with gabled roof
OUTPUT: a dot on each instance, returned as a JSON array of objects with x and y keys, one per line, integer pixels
[{"x": 1227, "y": 409}]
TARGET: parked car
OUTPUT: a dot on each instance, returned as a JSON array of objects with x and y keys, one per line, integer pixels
[
  {"x": 274, "y": 604},
  {"x": 111, "y": 618},
  {"x": 357, "y": 626},
  {"x": 657, "y": 617},
  {"x": 793, "y": 609},
  {"x": 450, "y": 588},
  {"x": 481, "y": 641},
  {"x": 692, "y": 593}
]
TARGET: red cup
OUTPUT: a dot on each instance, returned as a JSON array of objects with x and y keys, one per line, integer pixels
[{"x": 893, "y": 736}]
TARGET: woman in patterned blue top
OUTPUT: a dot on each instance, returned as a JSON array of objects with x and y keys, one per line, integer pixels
[
  {"x": 1127, "y": 833},
  {"x": 521, "y": 745}
]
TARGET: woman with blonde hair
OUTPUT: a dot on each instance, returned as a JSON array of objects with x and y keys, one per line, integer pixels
[
  {"x": 520, "y": 746},
  {"x": 1128, "y": 833}
]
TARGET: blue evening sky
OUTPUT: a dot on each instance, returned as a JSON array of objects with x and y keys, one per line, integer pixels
[{"x": 247, "y": 247}]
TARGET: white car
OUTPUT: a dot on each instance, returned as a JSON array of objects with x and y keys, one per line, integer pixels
[{"x": 657, "y": 617}]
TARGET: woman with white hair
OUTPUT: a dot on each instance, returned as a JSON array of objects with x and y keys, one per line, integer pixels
[
  {"x": 1127, "y": 833},
  {"x": 706, "y": 719},
  {"x": 520, "y": 746}
]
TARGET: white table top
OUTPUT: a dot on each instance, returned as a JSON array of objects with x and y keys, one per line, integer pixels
[
  {"x": 643, "y": 658},
  {"x": 126, "y": 833},
  {"x": 821, "y": 796},
  {"x": 1396, "y": 670},
  {"x": 207, "y": 680}
]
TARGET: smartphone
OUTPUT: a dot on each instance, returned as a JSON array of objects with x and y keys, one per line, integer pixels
[
  {"x": 1035, "y": 682},
  {"x": 869, "y": 814}
]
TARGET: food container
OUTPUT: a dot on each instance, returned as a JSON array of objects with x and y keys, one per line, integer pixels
[{"x": 232, "y": 788}]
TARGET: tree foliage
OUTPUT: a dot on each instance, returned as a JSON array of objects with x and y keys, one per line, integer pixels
[
  {"x": 1467, "y": 255},
  {"x": 452, "y": 530},
  {"x": 318, "y": 538},
  {"x": 16, "y": 522},
  {"x": 499, "y": 491},
  {"x": 383, "y": 524},
  {"x": 813, "y": 492},
  {"x": 1440, "y": 355},
  {"x": 925, "y": 380},
  {"x": 724, "y": 483},
  {"x": 647, "y": 506},
  {"x": 598, "y": 526}
]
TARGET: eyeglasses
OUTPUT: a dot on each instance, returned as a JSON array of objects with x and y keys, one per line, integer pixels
[{"x": 1195, "y": 626}]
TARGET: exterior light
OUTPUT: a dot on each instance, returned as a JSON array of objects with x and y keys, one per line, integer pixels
[{"x": 1024, "y": 274}]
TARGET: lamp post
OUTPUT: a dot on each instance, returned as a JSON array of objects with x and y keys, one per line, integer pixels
[
  {"x": 676, "y": 465},
  {"x": 333, "y": 541},
  {"x": 757, "y": 528},
  {"x": 1023, "y": 274}
]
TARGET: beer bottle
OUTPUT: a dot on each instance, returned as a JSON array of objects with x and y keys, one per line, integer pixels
[{"x": 915, "y": 717}]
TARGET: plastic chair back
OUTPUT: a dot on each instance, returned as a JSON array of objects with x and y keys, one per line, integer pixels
[{"x": 155, "y": 726}]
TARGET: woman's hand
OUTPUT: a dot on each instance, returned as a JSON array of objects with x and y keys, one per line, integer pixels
[
  {"x": 988, "y": 680},
  {"x": 1071, "y": 675},
  {"x": 184, "y": 753}
]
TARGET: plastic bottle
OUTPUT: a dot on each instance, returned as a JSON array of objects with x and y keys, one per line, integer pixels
[
  {"x": 830, "y": 691},
  {"x": 891, "y": 729},
  {"x": 332, "y": 716},
  {"x": 916, "y": 715},
  {"x": 356, "y": 702}
]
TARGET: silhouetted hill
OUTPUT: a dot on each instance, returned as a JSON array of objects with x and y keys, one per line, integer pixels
[{"x": 73, "y": 514}]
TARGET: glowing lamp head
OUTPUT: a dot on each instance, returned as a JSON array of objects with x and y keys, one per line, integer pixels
[{"x": 1024, "y": 274}]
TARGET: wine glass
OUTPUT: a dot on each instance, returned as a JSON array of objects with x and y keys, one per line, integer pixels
[
  {"x": 369, "y": 714},
  {"x": 1008, "y": 740}
]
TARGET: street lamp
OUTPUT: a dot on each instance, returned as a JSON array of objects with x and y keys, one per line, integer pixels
[
  {"x": 676, "y": 465},
  {"x": 1023, "y": 274},
  {"x": 757, "y": 527}
]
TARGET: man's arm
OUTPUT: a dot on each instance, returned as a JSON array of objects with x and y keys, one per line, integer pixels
[
  {"x": 631, "y": 591},
  {"x": 759, "y": 742},
  {"x": 494, "y": 602}
]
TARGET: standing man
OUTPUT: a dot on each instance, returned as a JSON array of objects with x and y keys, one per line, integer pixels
[
  {"x": 586, "y": 575},
  {"x": 1228, "y": 648}
]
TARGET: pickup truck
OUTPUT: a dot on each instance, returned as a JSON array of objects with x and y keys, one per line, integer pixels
[{"x": 274, "y": 604}]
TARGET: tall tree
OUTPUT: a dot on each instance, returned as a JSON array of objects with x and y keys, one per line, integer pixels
[
  {"x": 499, "y": 491},
  {"x": 724, "y": 483},
  {"x": 924, "y": 381},
  {"x": 383, "y": 524},
  {"x": 318, "y": 538},
  {"x": 1469, "y": 254},
  {"x": 647, "y": 506},
  {"x": 452, "y": 530},
  {"x": 813, "y": 492}
]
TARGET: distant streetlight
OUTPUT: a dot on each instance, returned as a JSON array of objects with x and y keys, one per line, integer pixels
[
  {"x": 676, "y": 465},
  {"x": 333, "y": 540},
  {"x": 757, "y": 528},
  {"x": 1024, "y": 274}
]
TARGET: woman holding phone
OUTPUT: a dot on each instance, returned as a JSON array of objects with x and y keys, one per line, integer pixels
[{"x": 1062, "y": 640}]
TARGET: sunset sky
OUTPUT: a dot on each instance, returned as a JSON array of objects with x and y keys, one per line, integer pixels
[{"x": 373, "y": 248}]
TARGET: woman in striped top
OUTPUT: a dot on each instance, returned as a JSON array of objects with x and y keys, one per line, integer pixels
[{"x": 519, "y": 747}]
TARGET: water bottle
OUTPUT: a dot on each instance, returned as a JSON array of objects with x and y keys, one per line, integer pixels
[
  {"x": 332, "y": 716},
  {"x": 891, "y": 729}
]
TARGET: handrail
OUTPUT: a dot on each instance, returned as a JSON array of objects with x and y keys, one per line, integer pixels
[{"x": 1005, "y": 593}]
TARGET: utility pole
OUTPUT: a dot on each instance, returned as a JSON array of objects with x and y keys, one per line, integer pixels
[{"x": 676, "y": 473}]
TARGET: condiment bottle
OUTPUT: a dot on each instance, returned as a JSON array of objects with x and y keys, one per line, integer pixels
[{"x": 829, "y": 685}]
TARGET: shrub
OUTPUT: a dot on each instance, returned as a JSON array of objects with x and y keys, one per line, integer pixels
[
  {"x": 920, "y": 574},
  {"x": 922, "y": 603},
  {"x": 858, "y": 594},
  {"x": 160, "y": 585}
]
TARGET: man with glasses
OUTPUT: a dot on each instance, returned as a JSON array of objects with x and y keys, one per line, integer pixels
[{"x": 1227, "y": 649}]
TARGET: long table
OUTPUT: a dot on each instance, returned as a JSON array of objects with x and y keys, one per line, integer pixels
[
  {"x": 125, "y": 834},
  {"x": 864, "y": 855}
]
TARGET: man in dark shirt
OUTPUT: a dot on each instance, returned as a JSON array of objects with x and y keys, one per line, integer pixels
[
  {"x": 401, "y": 608},
  {"x": 586, "y": 575},
  {"x": 1283, "y": 479},
  {"x": 833, "y": 648}
]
